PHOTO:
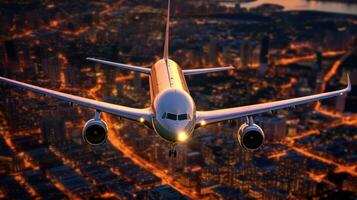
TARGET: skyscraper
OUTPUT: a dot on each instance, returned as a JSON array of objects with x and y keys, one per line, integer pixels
[
  {"x": 244, "y": 53},
  {"x": 52, "y": 68},
  {"x": 52, "y": 129},
  {"x": 264, "y": 54},
  {"x": 264, "y": 50},
  {"x": 72, "y": 75},
  {"x": 12, "y": 58},
  {"x": 318, "y": 58},
  {"x": 340, "y": 103},
  {"x": 212, "y": 54},
  {"x": 137, "y": 82},
  {"x": 275, "y": 127}
]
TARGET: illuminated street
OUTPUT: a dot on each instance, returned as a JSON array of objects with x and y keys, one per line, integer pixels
[{"x": 277, "y": 52}]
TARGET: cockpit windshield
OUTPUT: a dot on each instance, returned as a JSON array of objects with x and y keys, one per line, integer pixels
[
  {"x": 171, "y": 116},
  {"x": 183, "y": 117},
  {"x": 175, "y": 117}
]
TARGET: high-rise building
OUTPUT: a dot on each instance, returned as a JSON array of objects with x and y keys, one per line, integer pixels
[
  {"x": 110, "y": 75},
  {"x": 292, "y": 165},
  {"x": 41, "y": 55},
  {"x": 17, "y": 164},
  {"x": 264, "y": 50},
  {"x": 249, "y": 54},
  {"x": 6, "y": 157},
  {"x": 264, "y": 54},
  {"x": 276, "y": 128},
  {"x": 53, "y": 130},
  {"x": 292, "y": 126},
  {"x": 225, "y": 192},
  {"x": 164, "y": 192},
  {"x": 137, "y": 82},
  {"x": 52, "y": 69},
  {"x": 340, "y": 103},
  {"x": 308, "y": 188},
  {"x": 254, "y": 57},
  {"x": 72, "y": 76},
  {"x": 12, "y": 58},
  {"x": 120, "y": 89},
  {"x": 212, "y": 51},
  {"x": 3, "y": 58},
  {"x": 318, "y": 58},
  {"x": 244, "y": 53},
  {"x": 274, "y": 194}
]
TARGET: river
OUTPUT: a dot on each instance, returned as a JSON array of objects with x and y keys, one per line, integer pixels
[{"x": 335, "y": 7}]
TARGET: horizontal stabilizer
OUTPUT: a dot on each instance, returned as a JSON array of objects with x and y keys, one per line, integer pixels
[
  {"x": 122, "y": 66},
  {"x": 205, "y": 71}
]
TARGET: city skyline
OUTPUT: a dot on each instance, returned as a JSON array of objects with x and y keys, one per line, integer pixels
[{"x": 283, "y": 56}]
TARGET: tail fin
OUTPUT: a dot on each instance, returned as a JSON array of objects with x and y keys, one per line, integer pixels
[{"x": 167, "y": 34}]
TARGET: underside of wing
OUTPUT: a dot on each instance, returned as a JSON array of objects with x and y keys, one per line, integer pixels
[
  {"x": 206, "y": 70},
  {"x": 122, "y": 66},
  {"x": 210, "y": 117},
  {"x": 134, "y": 114}
]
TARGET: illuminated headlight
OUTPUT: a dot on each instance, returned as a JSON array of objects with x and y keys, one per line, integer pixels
[
  {"x": 182, "y": 136},
  {"x": 203, "y": 123},
  {"x": 142, "y": 120}
]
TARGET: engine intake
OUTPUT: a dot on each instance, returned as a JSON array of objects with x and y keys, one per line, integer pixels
[
  {"x": 95, "y": 132},
  {"x": 250, "y": 136}
]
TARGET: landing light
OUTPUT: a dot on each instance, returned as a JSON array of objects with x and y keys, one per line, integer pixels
[
  {"x": 142, "y": 120},
  {"x": 203, "y": 123},
  {"x": 182, "y": 136}
]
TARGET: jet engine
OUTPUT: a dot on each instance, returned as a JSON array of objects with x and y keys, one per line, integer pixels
[
  {"x": 95, "y": 132},
  {"x": 250, "y": 136}
]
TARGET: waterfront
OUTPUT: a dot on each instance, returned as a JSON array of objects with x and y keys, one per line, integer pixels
[{"x": 336, "y": 7}]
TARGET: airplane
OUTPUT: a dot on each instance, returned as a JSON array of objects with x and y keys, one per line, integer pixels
[{"x": 172, "y": 113}]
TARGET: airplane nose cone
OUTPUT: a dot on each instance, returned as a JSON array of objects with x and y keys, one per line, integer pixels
[
  {"x": 174, "y": 132},
  {"x": 179, "y": 132},
  {"x": 181, "y": 108},
  {"x": 182, "y": 133}
]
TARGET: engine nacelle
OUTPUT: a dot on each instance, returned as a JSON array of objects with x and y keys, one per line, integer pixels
[
  {"x": 250, "y": 136},
  {"x": 95, "y": 132}
]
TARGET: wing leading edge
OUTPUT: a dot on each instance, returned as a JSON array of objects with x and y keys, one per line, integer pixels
[
  {"x": 210, "y": 117},
  {"x": 134, "y": 114}
]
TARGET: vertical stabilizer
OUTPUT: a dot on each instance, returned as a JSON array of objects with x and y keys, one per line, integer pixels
[{"x": 167, "y": 34}]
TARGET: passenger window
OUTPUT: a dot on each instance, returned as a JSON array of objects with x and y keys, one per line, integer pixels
[
  {"x": 171, "y": 116},
  {"x": 163, "y": 116},
  {"x": 183, "y": 117}
]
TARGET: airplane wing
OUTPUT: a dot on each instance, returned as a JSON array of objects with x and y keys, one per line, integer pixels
[
  {"x": 122, "y": 66},
  {"x": 210, "y": 117},
  {"x": 122, "y": 111},
  {"x": 205, "y": 71}
]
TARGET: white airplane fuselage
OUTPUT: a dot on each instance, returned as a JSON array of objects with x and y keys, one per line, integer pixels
[{"x": 174, "y": 108}]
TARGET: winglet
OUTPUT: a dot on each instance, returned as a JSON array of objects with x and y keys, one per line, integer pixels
[
  {"x": 167, "y": 34},
  {"x": 349, "y": 86}
]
